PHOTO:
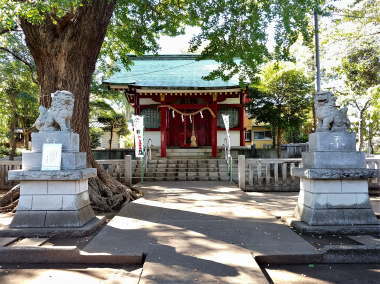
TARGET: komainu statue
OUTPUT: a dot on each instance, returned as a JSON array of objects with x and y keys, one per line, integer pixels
[
  {"x": 59, "y": 114},
  {"x": 329, "y": 116}
]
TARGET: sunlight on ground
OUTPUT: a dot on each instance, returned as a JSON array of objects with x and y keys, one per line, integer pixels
[{"x": 65, "y": 276}]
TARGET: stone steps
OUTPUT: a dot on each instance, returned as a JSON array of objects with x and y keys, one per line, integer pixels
[{"x": 185, "y": 169}]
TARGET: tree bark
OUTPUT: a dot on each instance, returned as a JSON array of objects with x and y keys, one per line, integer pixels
[
  {"x": 12, "y": 124},
  {"x": 278, "y": 142},
  {"x": 361, "y": 130},
  {"x": 111, "y": 137},
  {"x": 65, "y": 55}
]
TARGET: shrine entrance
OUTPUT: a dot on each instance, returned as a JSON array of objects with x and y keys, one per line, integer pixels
[{"x": 182, "y": 128}]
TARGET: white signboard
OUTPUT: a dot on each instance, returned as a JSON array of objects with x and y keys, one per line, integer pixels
[
  {"x": 138, "y": 131},
  {"x": 226, "y": 121},
  {"x": 51, "y": 157}
]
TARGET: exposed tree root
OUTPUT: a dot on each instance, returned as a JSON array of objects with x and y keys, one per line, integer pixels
[
  {"x": 9, "y": 201},
  {"x": 110, "y": 195},
  {"x": 9, "y": 208},
  {"x": 106, "y": 193}
]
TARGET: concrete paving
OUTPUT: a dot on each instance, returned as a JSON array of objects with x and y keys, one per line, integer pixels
[{"x": 206, "y": 232}]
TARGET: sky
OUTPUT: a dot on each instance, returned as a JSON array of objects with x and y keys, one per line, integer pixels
[{"x": 180, "y": 44}]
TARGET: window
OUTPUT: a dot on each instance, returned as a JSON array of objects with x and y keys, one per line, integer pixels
[
  {"x": 262, "y": 135},
  {"x": 234, "y": 117},
  {"x": 151, "y": 117},
  {"x": 248, "y": 136}
]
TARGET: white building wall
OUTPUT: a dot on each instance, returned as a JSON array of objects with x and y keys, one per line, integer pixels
[
  {"x": 230, "y": 101},
  {"x": 155, "y": 136},
  {"x": 234, "y": 135},
  {"x": 148, "y": 101}
]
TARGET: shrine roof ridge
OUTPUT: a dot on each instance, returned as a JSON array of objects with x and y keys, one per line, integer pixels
[{"x": 169, "y": 72}]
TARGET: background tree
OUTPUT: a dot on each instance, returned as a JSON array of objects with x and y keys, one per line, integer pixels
[
  {"x": 281, "y": 98},
  {"x": 65, "y": 39},
  {"x": 19, "y": 100},
  {"x": 352, "y": 26},
  {"x": 360, "y": 71},
  {"x": 110, "y": 118}
]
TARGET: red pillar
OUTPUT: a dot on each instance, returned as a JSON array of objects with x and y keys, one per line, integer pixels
[
  {"x": 214, "y": 147},
  {"x": 137, "y": 104},
  {"x": 163, "y": 128},
  {"x": 241, "y": 120}
]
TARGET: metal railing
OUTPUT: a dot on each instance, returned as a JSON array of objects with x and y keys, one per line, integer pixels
[{"x": 228, "y": 157}]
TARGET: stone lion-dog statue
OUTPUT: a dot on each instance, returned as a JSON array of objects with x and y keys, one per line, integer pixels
[
  {"x": 59, "y": 114},
  {"x": 329, "y": 116}
]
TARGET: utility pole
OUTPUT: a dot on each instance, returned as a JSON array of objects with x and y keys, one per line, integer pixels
[{"x": 317, "y": 63}]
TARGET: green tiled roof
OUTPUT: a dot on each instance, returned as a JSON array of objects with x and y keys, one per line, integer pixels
[{"x": 170, "y": 71}]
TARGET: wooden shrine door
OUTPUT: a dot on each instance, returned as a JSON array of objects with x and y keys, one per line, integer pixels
[{"x": 180, "y": 131}]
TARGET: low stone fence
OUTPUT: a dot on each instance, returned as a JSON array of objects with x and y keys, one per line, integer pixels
[
  {"x": 120, "y": 169},
  {"x": 267, "y": 174},
  {"x": 253, "y": 174},
  {"x": 5, "y": 166},
  {"x": 274, "y": 174}
]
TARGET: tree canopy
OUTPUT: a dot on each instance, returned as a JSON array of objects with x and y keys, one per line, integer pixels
[
  {"x": 66, "y": 38},
  {"x": 228, "y": 29},
  {"x": 282, "y": 98}
]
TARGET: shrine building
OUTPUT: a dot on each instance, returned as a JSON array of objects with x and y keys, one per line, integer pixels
[{"x": 180, "y": 109}]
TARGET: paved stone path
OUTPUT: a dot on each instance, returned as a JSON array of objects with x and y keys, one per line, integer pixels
[{"x": 206, "y": 232}]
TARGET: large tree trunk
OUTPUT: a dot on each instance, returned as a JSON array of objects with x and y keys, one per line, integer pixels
[
  {"x": 361, "y": 130},
  {"x": 12, "y": 124},
  {"x": 65, "y": 55},
  {"x": 278, "y": 142}
]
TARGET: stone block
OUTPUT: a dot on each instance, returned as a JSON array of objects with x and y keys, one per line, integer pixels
[
  {"x": 333, "y": 160},
  {"x": 63, "y": 187},
  {"x": 28, "y": 219},
  {"x": 33, "y": 187},
  {"x": 52, "y": 175},
  {"x": 70, "y": 161},
  {"x": 335, "y": 217},
  {"x": 355, "y": 186},
  {"x": 359, "y": 217},
  {"x": 25, "y": 202},
  {"x": 325, "y": 186},
  {"x": 75, "y": 201},
  {"x": 349, "y": 174},
  {"x": 47, "y": 202},
  {"x": 62, "y": 219},
  {"x": 332, "y": 141},
  {"x": 362, "y": 200},
  {"x": 315, "y": 200},
  {"x": 305, "y": 184},
  {"x": 341, "y": 200},
  {"x": 301, "y": 197},
  {"x": 69, "y": 140},
  {"x": 86, "y": 214}
]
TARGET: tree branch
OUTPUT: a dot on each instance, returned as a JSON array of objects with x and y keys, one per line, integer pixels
[
  {"x": 7, "y": 30},
  {"x": 23, "y": 60}
]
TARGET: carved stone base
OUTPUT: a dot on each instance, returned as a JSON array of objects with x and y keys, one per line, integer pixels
[
  {"x": 52, "y": 219},
  {"x": 334, "y": 203}
]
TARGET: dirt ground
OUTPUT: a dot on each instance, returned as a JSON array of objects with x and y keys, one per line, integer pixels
[
  {"x": 325, "y": 274},
  {"x": 67, "y": 274}
]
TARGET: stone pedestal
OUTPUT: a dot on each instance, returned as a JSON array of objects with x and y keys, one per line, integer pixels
[
  {"x": 334, "y": 186},
  {"x": 53, "y": 199}
]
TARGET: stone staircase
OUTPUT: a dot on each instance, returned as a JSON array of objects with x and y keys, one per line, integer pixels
[
  {"x": 186, "y": 153},
  {"x": 185, "y": 169}
]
